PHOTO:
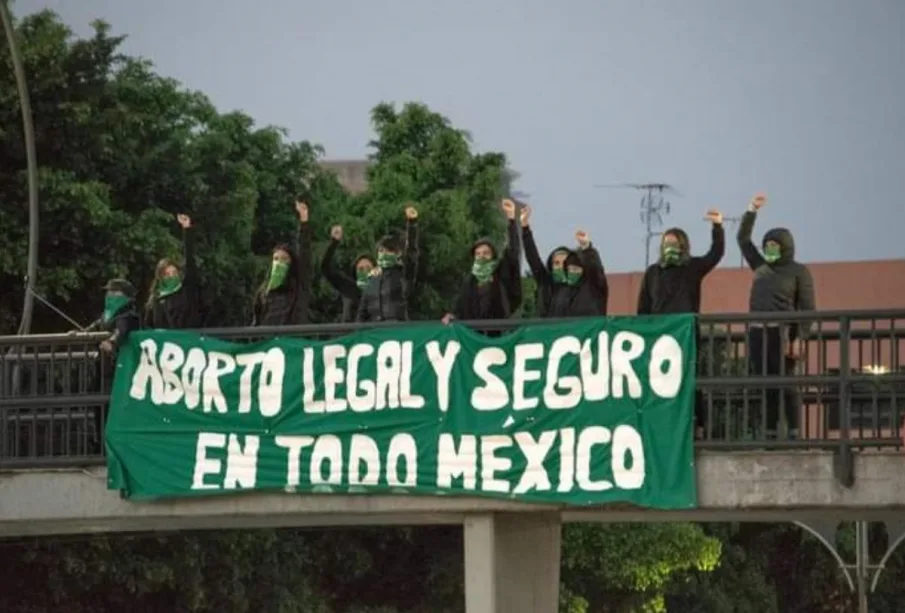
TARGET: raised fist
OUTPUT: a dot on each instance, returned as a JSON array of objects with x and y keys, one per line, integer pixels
[
  {"x": 411, "y": 213},
  {"x": 302, "y": 209},
  {"x": 336, "y": 233},
  {"x": 525, "y": 215},
  {"x": 509, "y": 208},
  {"x": 758, "y": 201},
  {"x": 184, "y": 220},
  {"x": 714, "y": 217}
]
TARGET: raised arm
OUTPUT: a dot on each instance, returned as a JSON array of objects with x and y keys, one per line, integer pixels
[
  {"x": 593, "y": 267},
  {"x": 746, "y": 227},
  {"x": 342, "y": 283},
  {"x": 411, "y": 256},
  {"x": 190, "y": 267},
  {"x": 711, "y": 259},
  {"x": 306, "y": 267}
]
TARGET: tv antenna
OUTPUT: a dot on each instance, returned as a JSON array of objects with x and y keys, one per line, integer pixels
[{"x": 653, "y": 207}]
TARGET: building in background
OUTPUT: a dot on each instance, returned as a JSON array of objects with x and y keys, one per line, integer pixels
[{"x": 353, "y": 174}]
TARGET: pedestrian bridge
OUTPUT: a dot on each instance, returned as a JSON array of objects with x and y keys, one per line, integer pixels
[{"x": 846, "y": 463}]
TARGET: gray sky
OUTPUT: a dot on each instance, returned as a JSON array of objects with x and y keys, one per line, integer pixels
[{"x": 802, "y": 99}]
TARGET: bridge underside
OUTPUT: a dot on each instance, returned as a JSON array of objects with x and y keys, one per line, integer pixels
[{"x": 732, "y": 486}]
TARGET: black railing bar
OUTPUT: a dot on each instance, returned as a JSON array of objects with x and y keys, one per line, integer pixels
[
  {"x": 65, "y": 356},
  {"x": 758, "y": 381},
  {"x": 49, "y": 402},
  {"x": 53, "y": 462},
  {"x": 56, "y": 416}
]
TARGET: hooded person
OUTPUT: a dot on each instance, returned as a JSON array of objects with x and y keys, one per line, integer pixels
[
  {"x": 173, "y": 299},
  {"x": 572, "y": 283},
  {"x": 493, "y": 288},
  {"x": 780, "y": 284},
  {"x": 349, "y": 286},
  {"x": 673, "y": 284},
  {"x": 283, "y": 299},
  {"x": 385, "y": 296}
]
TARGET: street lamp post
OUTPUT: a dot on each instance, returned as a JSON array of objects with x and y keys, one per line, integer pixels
[{"x": 32, "y": 169}]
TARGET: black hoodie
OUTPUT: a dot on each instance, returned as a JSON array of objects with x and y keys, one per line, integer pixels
[
  {"x": 784, "y": 285},
  {"x": 345, "y": 284},
  {"x": 288, "y": 304},
  {"x": 587, "y": 299},
  {"x": 502, "y": 295},
  {"x": 181, "y": 309},
  {"x": 386, "y": 296},
  {"x": 676, "y": 288}
]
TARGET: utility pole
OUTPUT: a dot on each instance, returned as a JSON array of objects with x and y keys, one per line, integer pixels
[
  {"x": 28, "y": 129},
  {"x": 653, "y": 207}
]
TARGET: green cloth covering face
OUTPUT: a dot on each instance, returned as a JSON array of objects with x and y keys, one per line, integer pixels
[
  {"x": 278, "y": 272},
  {"x": 670, "y": 255},
  {"x": 772, "y": 253},
  {"x": 169, "y": 285},
  {"x": 573, "y": 278},
  {"x": 362, "y": 277},
  {"x": 113, "y": 303},
  {"x": 482, "y": 269},
  {"x": 387, "y": 260},
  {"x": 559, "y": 275}
]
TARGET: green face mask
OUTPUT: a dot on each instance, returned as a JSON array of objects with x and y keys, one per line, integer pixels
[
  {"x": 387, "y": 260},
  {"x": 278, "y": 272},
  {"x": 362, "y": 277},
  {"x": 772, "y": 253},
  {"x": 113, "y": 304},
  {"x": 559, "y": 275},
  {"x": 169, "y": 285},
  {"x": 482, "y": 269},
  {"x": 670, "y": 255},
  {"x": 573, "y": 278}
]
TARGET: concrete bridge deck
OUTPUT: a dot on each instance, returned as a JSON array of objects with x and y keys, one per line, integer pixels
[{"x": 732, "y": 486}]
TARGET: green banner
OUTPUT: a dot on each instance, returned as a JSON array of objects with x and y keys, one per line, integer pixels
[{"x": 582, "y": 412}]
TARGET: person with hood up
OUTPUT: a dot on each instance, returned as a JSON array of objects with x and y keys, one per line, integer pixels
[
  {"x": 119, "y": 319},
  {"x": 348, "y": 286},
  {"x": 573, "y": 282},
  {"x": 174, "y": 296},
  {"x": 386, "y": 294},
  {"x": 673, "y": 284},
  {"x": 493, "y": 288},
  {"x": 780, "y": 285},
  {"x": 284, "y": 297}
]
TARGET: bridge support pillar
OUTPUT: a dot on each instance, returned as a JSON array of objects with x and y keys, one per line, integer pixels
[{"x": 512, "y": 562}]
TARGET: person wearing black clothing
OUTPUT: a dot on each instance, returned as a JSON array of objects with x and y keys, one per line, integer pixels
[
  {"x": 780, "y": 285},
  {"x": 673, "y": 284},
  {"x": 493, "y": 288},
  {"x": 348, "y": 286},
  {"x": 173, "y": 297},
  {"x": 385, "y": 297},
  {"x": 283, "y": 299},
  {"x": 571, "y": 283}
]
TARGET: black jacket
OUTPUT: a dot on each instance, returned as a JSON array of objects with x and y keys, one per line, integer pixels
[
  {"x": 119, "y": 326},
  {"x": 288, "y": 305},
  {"x": 180, "y": 309},
  {"x": 385, "y": 297},
  {"x": 587, "y": 299},
  {"x": 502, "y": 295},
  {"x": 784, "y": 285},
  {"x": 343, "y": 283},
  {"x": 677, "y": 288}
]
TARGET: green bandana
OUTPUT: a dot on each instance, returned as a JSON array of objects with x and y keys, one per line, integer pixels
[
  {"x": 168, "y": 286},
  {"x": 573, "y": 278},
  {"x": 559, "y": 275},
  {"x": 362, "y": 277},
  {"x": 482, "y": 269},
  {"x": 113, "y": 305},
  {"x": 387, "y": 260},
  {"x": 772, "y": 253},
  {"x": 278, "y": 272},
  {"x": 670, "y": 255}
]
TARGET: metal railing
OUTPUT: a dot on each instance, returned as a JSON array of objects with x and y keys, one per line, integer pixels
[{"x": 845, "y": 390}]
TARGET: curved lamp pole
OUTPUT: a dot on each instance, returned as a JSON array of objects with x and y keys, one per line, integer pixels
[{"x": 31, "y": 158}]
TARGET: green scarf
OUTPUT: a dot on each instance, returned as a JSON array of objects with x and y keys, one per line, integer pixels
[
  {"x": 362, "y": 277},
  {"x": 168, "y": 286},
  {"x": 113, "y": 305},
  {"x": 573, "y": 278},
  {"x": 559, "y": 275},
  {"x": 772, "y": 253},
  {"x": 482, "y": 269},
  {"x": 670, "y": 255},
  {"x": 278, "y": 272},
  {"x": 387, "y": 260}
]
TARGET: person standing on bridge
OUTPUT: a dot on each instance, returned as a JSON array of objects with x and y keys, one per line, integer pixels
[
  {"x": 572, "y": 283},
  {"x": 351, "y": 285},
  {"x": 173, "y": 299},
  {"x": 493, "y": 288},
  {"x": 285, "y": 296},
  {"x": 385, "y": 296},
  {"x": 780, "y": 285},
  {"x": 673, "y": 284}
]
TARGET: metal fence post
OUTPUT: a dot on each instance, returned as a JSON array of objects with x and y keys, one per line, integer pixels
[{"x": 844, "y": 461}]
